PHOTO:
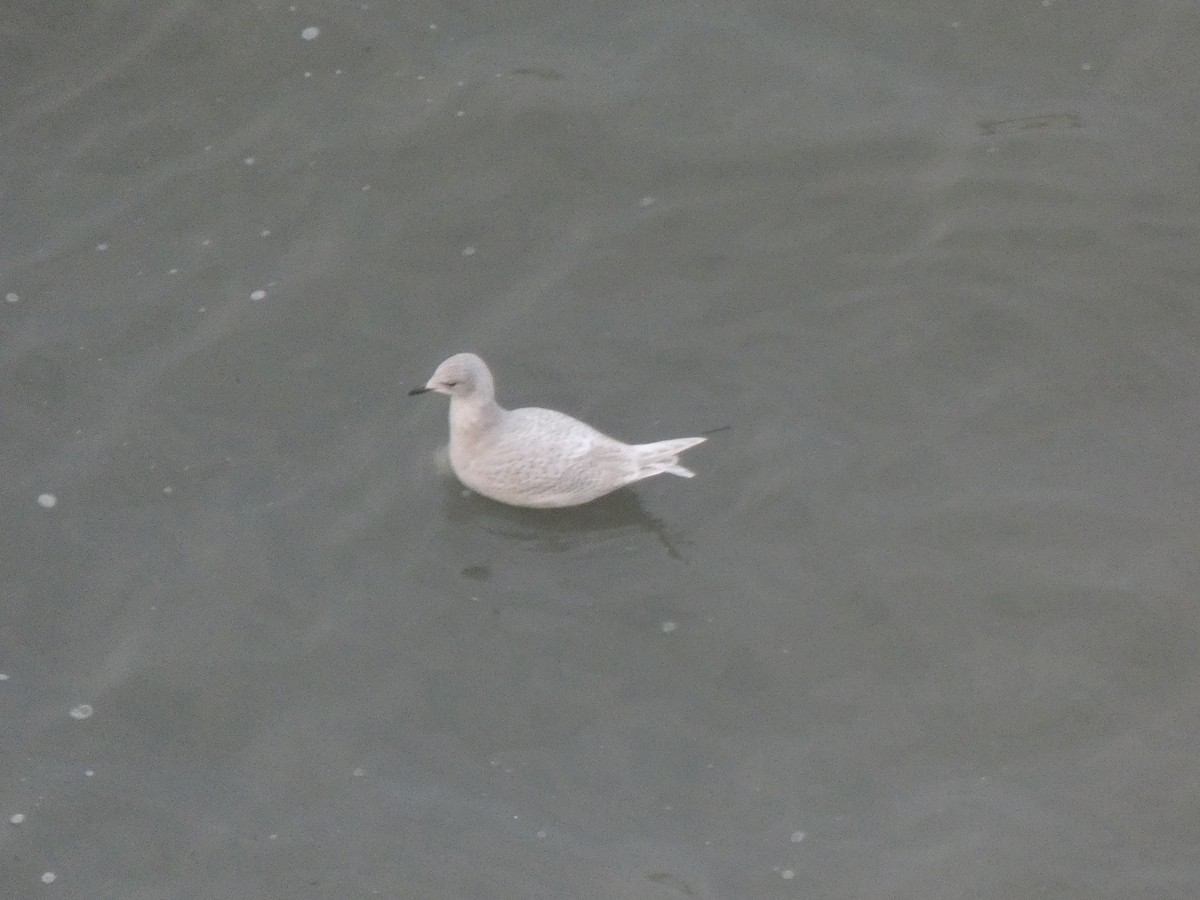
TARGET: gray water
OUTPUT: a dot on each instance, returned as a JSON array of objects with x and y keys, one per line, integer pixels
[{"x": 924, "y": 625}]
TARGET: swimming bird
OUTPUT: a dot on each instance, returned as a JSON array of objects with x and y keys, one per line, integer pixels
[{"x": 537, "y": 457}]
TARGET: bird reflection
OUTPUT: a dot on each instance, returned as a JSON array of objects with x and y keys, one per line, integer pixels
[{"x": 559, "y": 530}]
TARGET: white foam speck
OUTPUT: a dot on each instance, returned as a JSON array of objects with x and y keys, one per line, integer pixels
[
  {"x": 797, "y": 836},
  {"x": 17, "y": 818},
  {"x": 102, "y": 247},
  {"x": 646, "y": 201},
  {"x": 308, "y": 74},
  {"x": 207, "y": 242},
  {"x": 1087, "y": 67},
  {"x": 168, "y": 490},
  {"x": 460, "y": 113},
  {"x": 257, "y": 295},
  {"x": 311, "y": 33},
  {"x": 3, "y": 676},
  {"x": 47, "y": 501},
  {"x": 359, "y": 772},
  {"x": 461, "y": 83},
  {"x": 266, "y": 232},
  {"x": 433, "y": 26},
  {"x": 468, "y": 251},
  {"x": 11, "y": 297},
  {"x": 668, "y": 627},
  {"x": 82, "y": 711},
  {"x": 787, "y": 874},
  {"x": 89, "y": 772},
  {"x": 541, "y": 833},
  {"x": 249, "y": 160},
  {"x": 172, "y": 271},
  {"x": 48, "y": 877}
]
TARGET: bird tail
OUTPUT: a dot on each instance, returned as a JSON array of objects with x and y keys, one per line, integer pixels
[{"x": 663, "y": 456}]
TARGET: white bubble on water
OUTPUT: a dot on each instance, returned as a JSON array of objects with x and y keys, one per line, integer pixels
[
  {"x": 47, "y": 501},
  {"x": 266, "y": 232},
  {"x": 669, "y": 626},
  {"x": 311, "y": 33},
  {"x": 645, "y": 202},
  {"x": 249, "y": 160},
  {"x": 102, "y": 247},
  {"x": 798, "y": 836},
  {"x": 3, "y": 676},
  {"x": 82, "y": 711},
  {"x": 359, "y": 772},
  {"x": 48, "y": 877},
  {"x": 258, "y": 295},
  {"x": 17, "y": 818},
  {"x": 11, "y": 297},
  {"x": 787, "y": 874},
  {"x": 468, "y": 251}
]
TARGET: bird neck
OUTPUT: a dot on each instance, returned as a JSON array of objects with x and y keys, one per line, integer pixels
[{"x": 471, "y": 416}]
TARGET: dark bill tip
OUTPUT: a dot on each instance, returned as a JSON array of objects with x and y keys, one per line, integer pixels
[{"x": 420, "y": 390}]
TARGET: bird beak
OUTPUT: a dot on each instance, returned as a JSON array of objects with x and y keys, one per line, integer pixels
[{"x": 420, "y": 390}]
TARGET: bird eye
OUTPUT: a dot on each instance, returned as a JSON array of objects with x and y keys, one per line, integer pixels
[{"x": 451, "y": 384}]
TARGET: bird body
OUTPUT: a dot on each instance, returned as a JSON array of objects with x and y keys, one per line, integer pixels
[{"x": 537, "y": 457}]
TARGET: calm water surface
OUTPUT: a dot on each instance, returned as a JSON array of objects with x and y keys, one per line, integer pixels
[{"x": 925, "y": 623}]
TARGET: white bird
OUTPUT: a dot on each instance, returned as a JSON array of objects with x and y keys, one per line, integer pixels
[{"x": 537, "y": 457}]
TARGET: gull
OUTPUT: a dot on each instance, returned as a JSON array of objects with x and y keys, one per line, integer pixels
[{"x": 537, "y": 457}]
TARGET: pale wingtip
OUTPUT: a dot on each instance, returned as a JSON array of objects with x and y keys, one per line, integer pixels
[{"x": 681, "y": 471}]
